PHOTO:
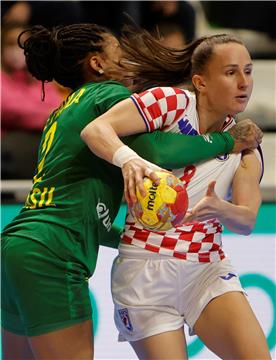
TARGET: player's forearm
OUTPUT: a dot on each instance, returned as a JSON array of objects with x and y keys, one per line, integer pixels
[
  {"x": 102, "y": 134},
  {"x": 101, "y": 140},
  {"x": 240, "y": 215},
  {"x": 237, "y": 218},
  {"x": 173, "y": 151}
]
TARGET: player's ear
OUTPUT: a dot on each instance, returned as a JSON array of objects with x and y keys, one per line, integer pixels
[
  {"x": 198, "y": 82},
  {"x": 95, "y": 63}
]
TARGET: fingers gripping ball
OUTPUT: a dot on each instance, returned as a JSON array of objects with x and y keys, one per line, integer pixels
[{"x": 164, "y": 205}]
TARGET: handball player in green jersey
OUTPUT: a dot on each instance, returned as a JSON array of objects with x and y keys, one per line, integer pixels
[{"x": 49, "y": 251}]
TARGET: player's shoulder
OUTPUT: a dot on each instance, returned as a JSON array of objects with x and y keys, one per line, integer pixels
[
  {"x": 165, "y": 97},
  {"x": 109, "y": 86},
  {"x": 105, "y": 94},
  {"x": 160, "y": 92}
]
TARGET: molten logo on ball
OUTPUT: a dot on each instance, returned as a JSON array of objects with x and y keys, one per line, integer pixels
[
  {"x": 152, "y": 196},
  {"x": 164, "y": 205}
]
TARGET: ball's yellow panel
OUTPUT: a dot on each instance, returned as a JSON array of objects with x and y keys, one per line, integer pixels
[
  {"x": 149, "y": 217},
  {"x": 168, "y": 195},
  {"x": 152, "y": 201}
]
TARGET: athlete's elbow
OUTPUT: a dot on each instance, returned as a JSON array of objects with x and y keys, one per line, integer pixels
[
  {"x": 246, "y": 231},
  {"x": 90, "y": 133},
  {"x": 85, "y": 133},
  {"x": 244, "y": 227},
  {"x": 248, "y": 227}
]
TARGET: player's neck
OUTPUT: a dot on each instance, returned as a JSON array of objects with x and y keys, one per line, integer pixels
[{"x": 210, "y": 120}]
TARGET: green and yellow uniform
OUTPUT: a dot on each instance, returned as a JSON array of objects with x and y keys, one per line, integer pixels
[
  {"x": 72, "y": 204},
  {"x": 50, "y": 249}
]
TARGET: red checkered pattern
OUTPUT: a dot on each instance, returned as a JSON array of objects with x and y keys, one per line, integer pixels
[
  {"x": 198, "y": 241},
  {"x": 160, "y": 107}
]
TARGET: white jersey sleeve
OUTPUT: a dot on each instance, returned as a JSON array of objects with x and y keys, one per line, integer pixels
[{"x": 161, "y": 106}]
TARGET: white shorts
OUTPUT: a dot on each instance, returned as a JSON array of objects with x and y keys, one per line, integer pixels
[{"x": 158, "y": 294}]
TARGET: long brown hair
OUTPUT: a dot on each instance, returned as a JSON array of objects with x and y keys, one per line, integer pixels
[{"x": 149, "y": 63}]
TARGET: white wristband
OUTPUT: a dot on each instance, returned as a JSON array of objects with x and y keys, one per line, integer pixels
[{"x": 123, "y": 155}]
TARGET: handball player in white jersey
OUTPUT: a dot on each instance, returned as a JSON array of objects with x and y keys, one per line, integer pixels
[{"x": 163, "y": 280}]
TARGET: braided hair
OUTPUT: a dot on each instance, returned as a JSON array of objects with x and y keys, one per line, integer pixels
[{"x": 59, "y": 54}]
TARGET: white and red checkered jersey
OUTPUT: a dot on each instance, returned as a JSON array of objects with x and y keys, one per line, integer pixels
[
  {"x": 174, "y": 110},
  {"x": 160, "y": 107}
]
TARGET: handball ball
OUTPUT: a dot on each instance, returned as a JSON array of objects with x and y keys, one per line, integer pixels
[{"x": 164, "y": 205}]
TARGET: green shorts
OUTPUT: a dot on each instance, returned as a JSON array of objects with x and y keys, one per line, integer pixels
[{"x": 41, "y": 292}]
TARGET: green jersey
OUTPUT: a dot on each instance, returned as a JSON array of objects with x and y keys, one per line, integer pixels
[{"x": 74, "y": 192}]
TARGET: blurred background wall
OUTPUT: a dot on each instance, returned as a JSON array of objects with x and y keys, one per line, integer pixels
[{"x": 23, "y": 116}]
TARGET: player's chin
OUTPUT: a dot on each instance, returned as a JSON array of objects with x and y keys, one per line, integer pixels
[
  {"x": 236, "y": 110},
  {"x": 239, "y": 107}
]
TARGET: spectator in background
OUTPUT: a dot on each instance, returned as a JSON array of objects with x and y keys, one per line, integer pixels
[
  {"x": 53, "y": 13},
  {"x": 253, "y": 15},
  {"x": 171, "y": 35},
  {"x": 15, "y": 12},
  {"x": 180, "y": 13},
  {"x": 106, "y": 13},
  {"x": 110, "y": 14},
  {"x": 23, "y": 114},
  {"x": 47, "y": 13}
]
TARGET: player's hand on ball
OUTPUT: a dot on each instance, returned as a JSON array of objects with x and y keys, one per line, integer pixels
[
  {"x": 207, "y": 208},
  {"x": 134, "y": 172}
]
